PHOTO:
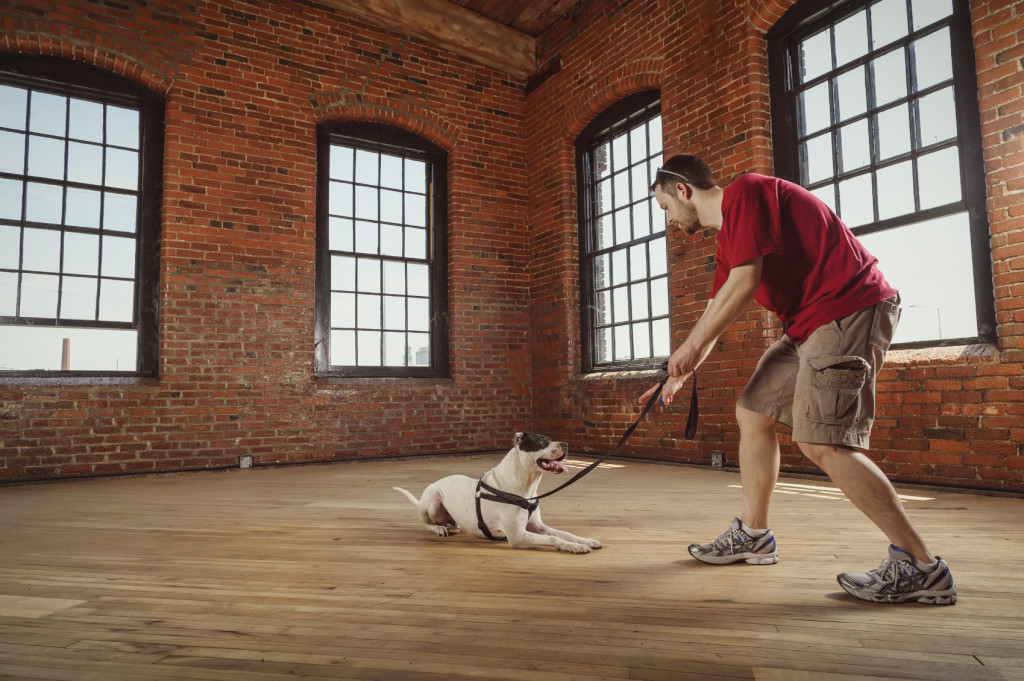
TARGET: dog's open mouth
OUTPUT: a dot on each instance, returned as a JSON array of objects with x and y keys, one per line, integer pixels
[{"x": 553, "y": 465}]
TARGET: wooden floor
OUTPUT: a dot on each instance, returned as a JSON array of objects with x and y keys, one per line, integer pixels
[{"x": 324, "y": 572}]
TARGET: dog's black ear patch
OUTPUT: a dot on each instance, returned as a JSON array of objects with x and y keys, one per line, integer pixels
[{"x": 531, "y": 442}]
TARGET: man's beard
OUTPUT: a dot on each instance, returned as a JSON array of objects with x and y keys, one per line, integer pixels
[{"x": 688, "y": 220}]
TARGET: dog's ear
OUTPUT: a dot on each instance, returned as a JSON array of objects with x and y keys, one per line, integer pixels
[{"x": 517, "y": 439}]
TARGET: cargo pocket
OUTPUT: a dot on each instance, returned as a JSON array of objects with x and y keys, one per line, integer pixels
[{"x": 837, "y": 381}]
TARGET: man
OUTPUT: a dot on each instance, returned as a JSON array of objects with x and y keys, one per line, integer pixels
[{"x": 780, "y": 245}]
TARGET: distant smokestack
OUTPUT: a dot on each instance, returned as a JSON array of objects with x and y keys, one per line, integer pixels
[{"x": 65, "y": 355}]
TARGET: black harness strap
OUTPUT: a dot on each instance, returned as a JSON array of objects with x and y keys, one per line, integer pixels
[{"x": 530, "y": 505}]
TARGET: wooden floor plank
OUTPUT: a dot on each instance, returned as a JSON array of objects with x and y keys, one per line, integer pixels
[{"x": 323, "y": 572}]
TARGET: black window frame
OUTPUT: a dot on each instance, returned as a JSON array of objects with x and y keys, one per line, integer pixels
[
  {"x": 611, "y": 123},
  {"x": 68, "y": 78},
  {"x": 386, "y": 139},
  {"x": 806, "y": 18}
]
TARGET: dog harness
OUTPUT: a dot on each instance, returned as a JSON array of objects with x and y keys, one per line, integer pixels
[{"x": 490, "y": 493}]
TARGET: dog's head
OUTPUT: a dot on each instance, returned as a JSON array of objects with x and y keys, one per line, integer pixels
[{"x": 545, "y": 453}]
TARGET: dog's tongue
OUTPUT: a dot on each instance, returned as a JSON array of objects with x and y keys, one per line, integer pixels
[{"x": 559, "y": 467}]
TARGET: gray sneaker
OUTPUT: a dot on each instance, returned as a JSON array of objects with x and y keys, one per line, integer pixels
[
  {"x": 899, "y": 580},
  {"x": 735, "y": 545}
]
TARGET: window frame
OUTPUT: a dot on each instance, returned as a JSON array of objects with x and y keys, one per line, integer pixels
[
  {"x": 807, "y": 17},
  {"x": 388, "y": 139},
  {"x": 68, "y": 78},
  {"x": 614, "y": 120}
]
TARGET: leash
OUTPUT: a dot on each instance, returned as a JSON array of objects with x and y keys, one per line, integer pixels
[{"x": 531, "y": 504}]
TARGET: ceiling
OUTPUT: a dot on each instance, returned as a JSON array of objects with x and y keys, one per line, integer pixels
[{"x": 531, "y": 17}]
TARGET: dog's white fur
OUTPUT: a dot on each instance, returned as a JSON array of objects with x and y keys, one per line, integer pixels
[{"x": 449, "y": 505}]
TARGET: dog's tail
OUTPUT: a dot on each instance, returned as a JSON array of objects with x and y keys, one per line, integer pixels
[{"x": 408, "y": 495}]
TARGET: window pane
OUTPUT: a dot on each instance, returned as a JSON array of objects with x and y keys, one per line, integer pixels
[
  {"x": 343, "y": 273},
  {"x": 44, "y": 203},
  {"x": 856, "y": 149},
  {"x": 890, "y": 74},
  {"x": 622, "y": 227},
  {"x": 122, "y": 170},
  {"x": 394, "y": 277},
  {"x": 34, "y": 348},
  {"x": 815, "y": 56},
  {"x": 368, "y": 275},
  {"x": 620, "y": 306},
  {"x": 418, "y": 278},
  {"x": 888, "y": 22},
  {"x": 10, "y": 254},
  {"x": 851, "y": 94},
  {"x": 12, "y": 152},
  {"x": 41, "y": 250},
  {"x": 86, "y": 122},
  {"x": 415, "y": 176},
  {"x": 39, "y": 295},
  {"x": 395, "y": 351},
  {"x": 368, "y": 311},
  {"x": 817, "y": 158},
  {"x": 929, "y": 11},
  {"x": 122, "y": 127},
  {"x": 642, "y": 218},
  {"x": 343, "y": 348},
  {"x": 390, "y": 206},
  {"x": 620, "y": 269},
  {"x": 893, "y": 132},
  {"x": 15, "y": 108},
  {"x": 340, "y": 234},
  {"x": 339, "y": 198},
  {"x": 661, "y": 338},
  {"x": 366, "y": 202},
  {"x": 116, "y": 300},
  {"x": 623, "y": 351},
  {"x": 419, "y": 349},
  {"x": 394, "y": 313},
  {"x": 602, "y": 271},
  {"x": 341, "y": 159},
  {"x": 45, "y": 157},
  {"x": 939, "y": 177},
  {"x": 369, "y": 349},
  {"x": 78, "y": 298},
  {"x": 390, "y": 172},
  {"x": 654, "y": 135},
  {"x": 82, "y": 208},
  {"x": 415, "y": 243},
  {"x": 81, "y": 254},
  {"x": 118, "y": 257},
  {"x": 620, "y": 155},
  {"x": 603, "y": 345},
  {"x": 638, "y": 262},
  {"x": 391, "y": 240},
  {"x": 366, "y": 237},
  {"x": 48, "y": 114},
  {"x": 119, "y": 212},
  {"x": 659, "y": 297},
  {"x": 936, "y": 284},
  {"x": 659, "y": 258},
  {"x": 937, "y": 115},
  {"x": 367, "y": 167},
  {"x": 641, "y": 339},
  {"x": 416, "y": 210},
  {"x": 85, "y": 163},
  {"x": 814, "y": 109},
  {"x": 8, "y": 295},
  {"x": 637, "y": 144},
  {"x": 856, "y": 201},
  {"x": 851, "y": 37},
  {"x": 638, "y": 180},
  {"x": 10, "y": 198},
  {"x": 933, "y": 62},
  {"x": 638, "y": 301},
  {"x": 896, "y": 190},
  {"x": 419, "y": 314},
  {"x": 343, "y": 310},
  {"x": 621, "y": 189}
]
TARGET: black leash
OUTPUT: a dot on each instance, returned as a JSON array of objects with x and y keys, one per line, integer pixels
[{"x": 530, "y": 505}]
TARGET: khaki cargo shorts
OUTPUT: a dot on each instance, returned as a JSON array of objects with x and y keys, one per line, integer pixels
[{"x": 824, "y": 388}]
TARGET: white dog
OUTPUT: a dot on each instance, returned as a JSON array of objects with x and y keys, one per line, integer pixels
[{"x": 458, "y": 502}]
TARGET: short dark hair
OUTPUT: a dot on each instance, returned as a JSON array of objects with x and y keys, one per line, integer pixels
[{"x": 687, "y": 168}]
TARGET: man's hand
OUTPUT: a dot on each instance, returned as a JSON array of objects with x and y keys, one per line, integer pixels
[{"x": 672, "y": 385}]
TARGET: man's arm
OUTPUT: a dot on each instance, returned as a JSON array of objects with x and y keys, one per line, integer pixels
[
  {"x": 730, "y": 302},
  {"x": 722, "y": 310}
]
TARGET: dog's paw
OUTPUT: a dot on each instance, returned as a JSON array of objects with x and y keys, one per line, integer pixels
[
  {"x": 573, "y": 547},
  {"x": 443, "y": 530},
  {"x": 592, "y": 543}
]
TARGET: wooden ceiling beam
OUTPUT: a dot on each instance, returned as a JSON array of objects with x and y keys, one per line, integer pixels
[{"x": 454, "y": 28}]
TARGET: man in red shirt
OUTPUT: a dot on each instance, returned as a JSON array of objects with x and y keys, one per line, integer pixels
[{"x": 783, "y": 247}]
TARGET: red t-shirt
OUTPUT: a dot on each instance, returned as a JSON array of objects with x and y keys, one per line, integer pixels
[{"x": 814, "y": 269}]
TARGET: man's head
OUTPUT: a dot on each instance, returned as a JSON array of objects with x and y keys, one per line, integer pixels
[{"x": 674, "y": 187}]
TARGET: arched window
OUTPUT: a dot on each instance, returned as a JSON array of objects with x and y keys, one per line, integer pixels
[
  {"x": 874, "y": 109},
  {"x": 81, "y": 151},
  {"x": 381, "y": 301},
  {"x": 623, "y": 251}
]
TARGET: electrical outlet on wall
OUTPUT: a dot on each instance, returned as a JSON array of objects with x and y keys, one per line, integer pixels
[
  {"x": 245, "y": 461},
  {"x": 717, "y": 459}
]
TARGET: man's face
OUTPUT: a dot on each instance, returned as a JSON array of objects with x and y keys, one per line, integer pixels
[{"x": 679, "y": 211}]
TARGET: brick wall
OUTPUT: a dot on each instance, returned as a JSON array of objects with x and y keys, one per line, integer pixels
[
  {"x": 951, "y": 416},
  {"x": 247, "y": 82}
]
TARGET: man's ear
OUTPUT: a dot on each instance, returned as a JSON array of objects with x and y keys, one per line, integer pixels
[{"x": 685, "y": 189}]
